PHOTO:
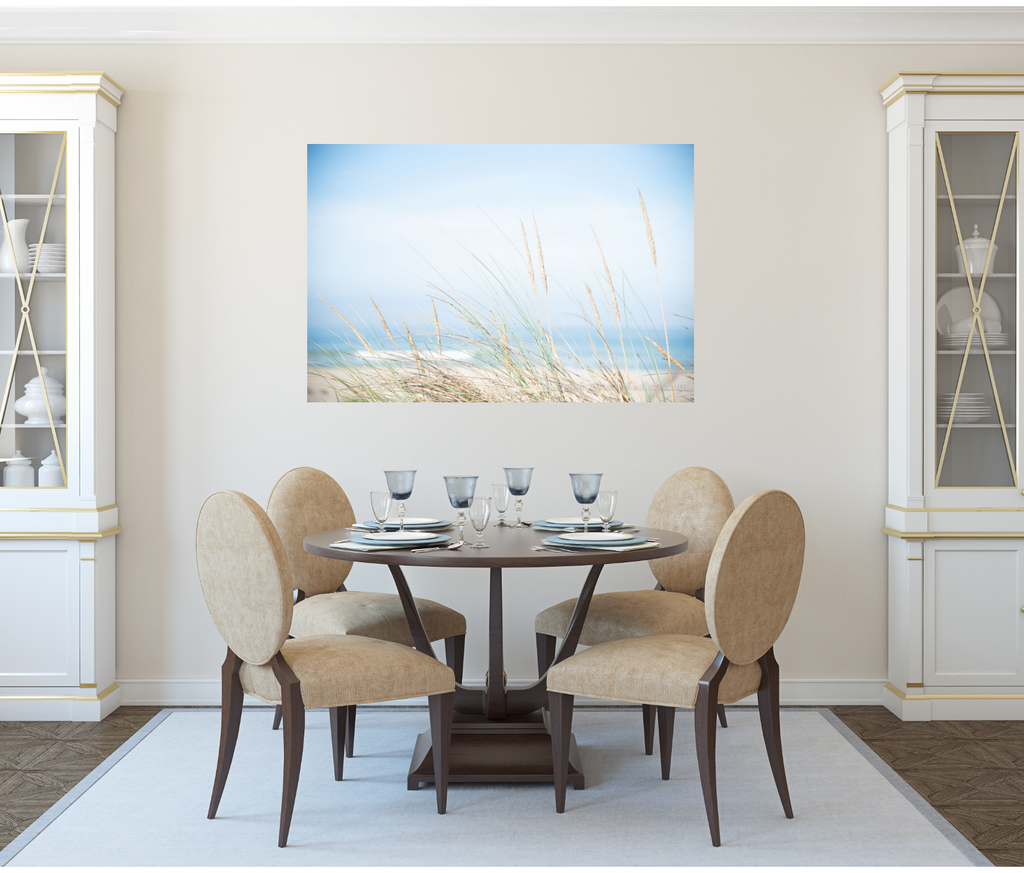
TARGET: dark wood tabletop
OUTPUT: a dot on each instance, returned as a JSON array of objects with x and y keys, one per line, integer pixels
[{"x": 509, "y": 547}]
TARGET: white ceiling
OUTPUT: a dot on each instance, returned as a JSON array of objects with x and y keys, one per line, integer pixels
[{"x": 596, "y": 24}]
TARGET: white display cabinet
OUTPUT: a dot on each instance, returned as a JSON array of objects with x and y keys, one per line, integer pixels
[
  {"x": 955, "y": 513},
  {"x": 58, "y": 514}
]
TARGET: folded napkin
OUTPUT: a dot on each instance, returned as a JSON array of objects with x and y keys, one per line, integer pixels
[
  {"x": 360, "y": 547},
  {"x": 647, "y": 545}
]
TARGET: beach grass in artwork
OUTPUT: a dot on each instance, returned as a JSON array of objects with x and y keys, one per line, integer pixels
[{"x": 500, "y": 313}]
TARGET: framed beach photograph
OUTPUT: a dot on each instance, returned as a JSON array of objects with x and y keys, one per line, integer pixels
[{"x": 500, "y": 273}]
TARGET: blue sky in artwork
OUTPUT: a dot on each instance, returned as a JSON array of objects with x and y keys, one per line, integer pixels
[{"x": 385, "y": 219}]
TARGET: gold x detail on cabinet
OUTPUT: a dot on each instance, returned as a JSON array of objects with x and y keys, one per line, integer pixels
[
  {"x": 977, "y": 326},
  {"x": 25, "y": 325}
]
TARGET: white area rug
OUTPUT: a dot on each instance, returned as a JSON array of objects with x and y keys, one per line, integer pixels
[{"x": 146, "y": 805}]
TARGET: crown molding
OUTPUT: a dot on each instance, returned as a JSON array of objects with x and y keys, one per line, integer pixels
[{"x": 540, "y": 25}]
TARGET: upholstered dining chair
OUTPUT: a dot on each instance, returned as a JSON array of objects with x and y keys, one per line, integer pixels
[
  {"x": 695, "y": 502},
  {"x": 306, "y": 501},
  {"x": 244, "y": 573},
  {"x": 752, "y": 581}
]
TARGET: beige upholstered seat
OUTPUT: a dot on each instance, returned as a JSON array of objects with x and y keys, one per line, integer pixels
[
  {"x": 694, "y": 502},
  {"x": 244, "y": 572},
  {"x": 306, "y": 501},
  {"x": 752, "y": 581}
]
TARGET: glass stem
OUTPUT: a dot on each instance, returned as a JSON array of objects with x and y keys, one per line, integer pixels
[
  {"x": 462, "y": 523},
  {"x": 586, "y": 517},
  {"x": 519, "y": 512},
  {"x": 401, "y": 516}
]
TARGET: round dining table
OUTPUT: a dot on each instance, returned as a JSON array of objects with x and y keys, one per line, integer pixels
[{"x": 499, "y": 733}]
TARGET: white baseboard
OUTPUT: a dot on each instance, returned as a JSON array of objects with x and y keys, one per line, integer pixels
[{"x": 206, "y": 692}]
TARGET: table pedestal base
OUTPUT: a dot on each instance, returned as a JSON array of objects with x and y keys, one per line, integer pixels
[{"x": 516, "y": 749}]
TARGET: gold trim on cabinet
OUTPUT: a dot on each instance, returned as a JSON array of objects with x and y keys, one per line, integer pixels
[
  {"x": 86, "y": 684},
  {"x": 918, "y": 536},
  {"x": 904, "y": 696},
  {"x": 93, "y": 559},
  {"x": 74, "y": 535},
  {"x": 43, "y": 509},
  {"x": 957, "y": 508},
  {"x": 915, "y": 684},
  {"x": 909, "y": 559},
  {"x": 73, "y": 697}
]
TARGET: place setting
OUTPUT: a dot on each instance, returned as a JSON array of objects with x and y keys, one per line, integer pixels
[{"x": 570, "y": 534}]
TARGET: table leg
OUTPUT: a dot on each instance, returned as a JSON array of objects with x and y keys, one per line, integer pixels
[
  {"x": 501, "y": 735},
  {"x": 495, "y": 693}
]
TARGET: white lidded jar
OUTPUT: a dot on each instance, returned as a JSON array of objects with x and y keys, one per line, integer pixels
[
  {"x": 19, "y": 472},
  {"x": 976, "y": 247},
  {"x": 32, "y": 404},
  {"x": 50, "y": 475}
]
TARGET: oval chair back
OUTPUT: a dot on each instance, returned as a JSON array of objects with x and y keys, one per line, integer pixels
[
  {"x": 696, "y": 503},
  {"x": 243, "y": 570},
  {"x": 754, "y": 575},
  {"x": 306, "y": 501}
]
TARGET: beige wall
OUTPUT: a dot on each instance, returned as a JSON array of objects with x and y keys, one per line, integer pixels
[{"x": 790, "y": 299}]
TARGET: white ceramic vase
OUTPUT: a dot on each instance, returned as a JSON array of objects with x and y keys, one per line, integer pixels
[
  {"x": 19, "y": 227},
  {"x": 32, "y": 404}
]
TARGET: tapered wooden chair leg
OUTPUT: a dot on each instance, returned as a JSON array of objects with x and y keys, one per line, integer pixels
[
  {"x": 277, "y": 717},
  {"x": 350, "y": 731},
  {"x": 294, "y": 733},
  {"x": 704, "y": 729},
  {"x": 721, "y": 715},
  {"x": 545, "y": 653},
  {"x": 650, "y": 718},
  {"x": 561, "y": 730},
  {"x": 666, "y": 725},
  {"x": 768, "y": 708},
  {"x": 230, "y": 719},
  {"x": 339, "y": 738},
  {"x": 455, "y": 654},
  {"x": 441, "y": 708}
]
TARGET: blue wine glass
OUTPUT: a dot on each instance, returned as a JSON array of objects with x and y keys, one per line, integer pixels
[
  {"x": 518, "y": 481},
  {"x": 400, "y": 486},
  {"x": 584, "y": 488},
  {"x": 460, "y": 495}
]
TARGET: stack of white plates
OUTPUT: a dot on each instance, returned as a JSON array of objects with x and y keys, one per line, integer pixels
[
  {"x": 969, "y": 408},
  {"x": 51, "y": 257},
  {"x": 958, "y": 341}
]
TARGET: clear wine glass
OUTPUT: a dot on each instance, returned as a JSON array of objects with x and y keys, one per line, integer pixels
[
  {"x": 584, "y": 488},
  {"x": 479, "y": 514},
  {"x": 460, "y": 495},
  {"x": 606, "y": 501},
  {"x": 500, "y": 499},
  {"x": 400, "y": 485},
  {"x": 518, "y": 481},
  {"x": 380, "y": 503}
]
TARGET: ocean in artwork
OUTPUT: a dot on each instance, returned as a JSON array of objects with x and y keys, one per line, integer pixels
[{"x": 500, "y": 273}]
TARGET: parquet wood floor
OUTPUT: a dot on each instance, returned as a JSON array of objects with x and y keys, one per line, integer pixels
[{"x": 972, "y": 772}]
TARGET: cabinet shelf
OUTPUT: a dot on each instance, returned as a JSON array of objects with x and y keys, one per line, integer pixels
[
  {"x": 29, "y": 352},
  {"x": 39, "y": 426},
  {"x": 39, "y": 275},
  {"x": 942, "y": 426},
  {"x": 960, "y": 353},
  {"x": 976, "y": 199},
  {"x": 977, "y": 278},
  {"x": 35, "y": 199}
]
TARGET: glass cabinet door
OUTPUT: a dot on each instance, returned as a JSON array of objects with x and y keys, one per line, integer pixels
[
  {"x": 976, "y": 310},
  {"x": 33, "y": 310}
]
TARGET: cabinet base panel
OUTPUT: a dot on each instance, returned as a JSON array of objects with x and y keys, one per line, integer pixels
[
  {"x": 951, "y": 707},
  {"x": 57, "y": 708}
]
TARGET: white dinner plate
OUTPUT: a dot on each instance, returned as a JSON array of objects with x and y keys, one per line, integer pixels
[
  {"x": 410, "y": 520},
  {"x": 573, "y": 521},
  {"x": 596, "y": 536},
  {"x": 401, "y": 536}
]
